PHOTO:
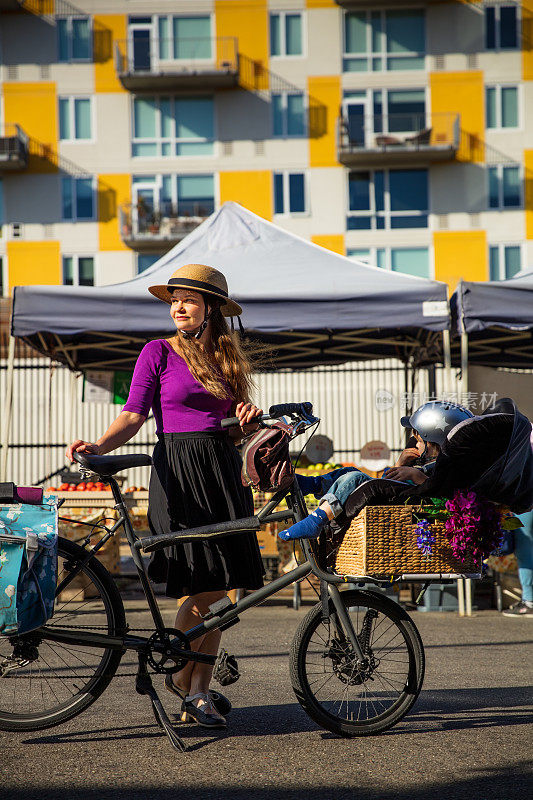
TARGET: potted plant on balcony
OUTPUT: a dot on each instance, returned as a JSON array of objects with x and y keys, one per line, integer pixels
[{"x": 154, "y": 222}]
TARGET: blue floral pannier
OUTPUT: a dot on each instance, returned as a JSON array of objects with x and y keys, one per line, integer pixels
[{"x": 28, "y": 565}]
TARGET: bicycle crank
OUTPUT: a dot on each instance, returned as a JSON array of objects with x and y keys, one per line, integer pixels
[{"x": 161, "y": 649}]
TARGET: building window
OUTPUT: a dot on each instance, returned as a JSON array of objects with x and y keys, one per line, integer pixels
[
  {"x": 286, "y": 34},
  {"x": 505, "y": 186},
  {"x": 505, "y": 260},
  {"x": 166, "y": 126},
  {"x": 78, "y": 199},
  {"x": 383, "y": 111},
  {"x": 289, "y": 193},
  {"x": 75, "y": 118},
  {"x": 501, "y": 27},
  {"x": 408, "y": 260},
  {"x": 145, "y": 261},
  {"x": 185, "y": 38},
  {"x": 377, "y": 41},
  {"x": 501, "y": 104},
  {"x": 171, "y": 196},
  {"x": 383, "y": 199},
  {"x": 288, "y": 114},
  {"x": 74, "y": 39},
  {"x": 78, "y": 270}
]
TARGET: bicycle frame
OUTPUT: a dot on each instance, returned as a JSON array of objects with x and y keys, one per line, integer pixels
[{"x": 296, "y": 510}]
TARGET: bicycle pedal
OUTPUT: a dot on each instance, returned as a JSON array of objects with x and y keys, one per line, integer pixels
[{"x": 226, "y": 669}]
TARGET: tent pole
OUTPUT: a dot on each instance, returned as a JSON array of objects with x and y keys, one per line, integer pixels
[
  {"x": 464, "y": 362},
  {"x": 8, "y": 408}
]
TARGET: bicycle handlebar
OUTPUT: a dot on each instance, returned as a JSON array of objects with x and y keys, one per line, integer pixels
[{"x": 305, "y": 410}]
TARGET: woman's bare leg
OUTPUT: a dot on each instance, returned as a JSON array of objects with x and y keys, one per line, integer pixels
[{"x": 194, "y": 677}]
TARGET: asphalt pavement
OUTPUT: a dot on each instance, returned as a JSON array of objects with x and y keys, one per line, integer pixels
[{"x": 470, "y": 734}]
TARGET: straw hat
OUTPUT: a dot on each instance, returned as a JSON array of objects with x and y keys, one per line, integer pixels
[{"x": 201, "y": 278}]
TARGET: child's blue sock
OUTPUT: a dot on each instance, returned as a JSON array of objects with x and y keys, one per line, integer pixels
[
  {"x": 309, "y": 484},
  {"x": 308, "y": 528}
]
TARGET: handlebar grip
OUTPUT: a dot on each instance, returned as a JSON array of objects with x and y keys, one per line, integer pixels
[
  {"x": 230, "y": 422},
  {"x": 290, "y": 408}
]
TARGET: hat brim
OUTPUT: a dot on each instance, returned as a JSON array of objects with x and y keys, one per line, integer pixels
[
  {"x": 229, "y": 308},
  {"x": 406, "y": 422}
]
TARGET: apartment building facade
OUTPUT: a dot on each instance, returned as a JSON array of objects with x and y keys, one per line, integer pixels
[{"x": 396, "y": 132}]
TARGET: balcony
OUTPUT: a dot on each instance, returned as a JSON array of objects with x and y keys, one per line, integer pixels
[
  {"x": 373, "y": 4},
  {"x": 14, "y": 147},
  {"x": 145, "y": 64},
  {"x": 398, "y": 139},
  {"x": 158, "y": 229}
]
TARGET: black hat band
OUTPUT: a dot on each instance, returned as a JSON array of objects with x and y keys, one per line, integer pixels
[{"x": 200, "y": 285}]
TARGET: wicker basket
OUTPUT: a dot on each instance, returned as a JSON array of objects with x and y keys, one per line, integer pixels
[{"x": 381, "y": 542}]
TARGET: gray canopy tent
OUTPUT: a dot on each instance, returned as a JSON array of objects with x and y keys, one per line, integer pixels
[
  {"x": 494, "y": 321},
  {"x": 312, "y": 305}
]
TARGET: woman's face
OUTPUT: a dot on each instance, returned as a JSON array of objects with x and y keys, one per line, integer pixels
[{"x": 187, "y": 309}]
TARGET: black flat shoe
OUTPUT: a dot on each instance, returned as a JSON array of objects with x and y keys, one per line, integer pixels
[
  {"x": 220, "y": 701},
  {"x": 199, "y": 715}
]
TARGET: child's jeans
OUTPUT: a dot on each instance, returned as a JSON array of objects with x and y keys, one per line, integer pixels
[
  {"x": 524, "y": 555},
  {"x": 337, "y": 486}
]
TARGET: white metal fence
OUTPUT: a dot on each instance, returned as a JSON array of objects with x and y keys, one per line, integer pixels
[{"x": 356, "y": 402}]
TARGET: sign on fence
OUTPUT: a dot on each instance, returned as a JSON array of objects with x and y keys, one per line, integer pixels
[{"x": 106, "y": 387}]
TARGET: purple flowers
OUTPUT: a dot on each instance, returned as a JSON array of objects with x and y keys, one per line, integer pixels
[
  {"x": 425, "y": 539},
  {"x": 474, "y": 526}
]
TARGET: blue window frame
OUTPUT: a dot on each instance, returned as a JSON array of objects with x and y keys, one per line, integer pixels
[
  {"x": 78, "y": 270},
  {"x": 289, "y": 193},
  {"x": 78, "y": 199},
  {"x": 74, "y": 39},
  {"x": 387, "y": 199},
  {"x": 408, "y": 260},
  {"x": 502, "y": 27},
  {"x": 377, "y": 41},
  {"x": 505, "y": 260},
  {"x": 75, "y": 118},
  {"x": 288, "y": 114},
  {"x": 172, "y": 126},
  {"x": 285, "y": 34},
  {"x": 505, "y": 186}
]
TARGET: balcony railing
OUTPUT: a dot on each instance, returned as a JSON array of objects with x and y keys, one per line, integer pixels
[
  {"x": 14, "y": 148},
  {"x": 159, "y": 228},
  {"x": 385, "y": 3},
  {"x": 151, "y": 63},
  {"x": 398, "y": 138}
]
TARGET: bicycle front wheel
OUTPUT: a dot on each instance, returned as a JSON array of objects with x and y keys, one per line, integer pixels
[
  {"x": 347, "y": 697},
  {"x": 44, "y": 683}
]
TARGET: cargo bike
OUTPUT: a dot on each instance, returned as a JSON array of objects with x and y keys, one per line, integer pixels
[{"x": 356, "y": 660}]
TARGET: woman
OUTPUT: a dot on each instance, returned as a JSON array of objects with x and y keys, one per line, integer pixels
[{"x": 192, "y": 381}]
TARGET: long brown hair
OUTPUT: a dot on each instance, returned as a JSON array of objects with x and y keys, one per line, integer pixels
[{"x": 232, "y": 376}]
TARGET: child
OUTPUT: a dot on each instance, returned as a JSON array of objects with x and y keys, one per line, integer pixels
[{"x": 430, "y": 424}]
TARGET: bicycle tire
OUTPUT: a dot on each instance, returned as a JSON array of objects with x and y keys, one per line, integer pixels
[
  {"x": 71, "y": 676},
  {"x": 393, "y": 640}
]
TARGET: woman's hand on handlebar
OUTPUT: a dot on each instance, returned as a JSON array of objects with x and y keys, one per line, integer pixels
[
  {"x": 79, "y": 446},
  {"x": 247, "y": 414}
]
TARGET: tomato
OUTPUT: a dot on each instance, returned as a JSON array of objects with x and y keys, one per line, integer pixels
[
  {"x": 71, "y": 488},
  {"x": 89, "y": 485},
  {"x": 99, "y": 486},
  {"x": 64, "y": 487},
  {"x": 81, "y": 487}
]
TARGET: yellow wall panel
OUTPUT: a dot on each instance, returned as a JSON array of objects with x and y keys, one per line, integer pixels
[
  {"x": 247, "y": 21},
  {"x": 527, "y": 40},
  {"x": 108, "y": 29},
  {"x": 333, "y": 242},
  {"x": 33, "y": 106},
  {"x": 324, "y": 108},
  {"x": 33, "y": 263},
  {"x": 460, "y": 93},
  {"x": 253, "y": 190},
  {"x": 528, "y": 181},
  {"x": 321, "y": 4},
  {"x": 460, "y": 254},
  {"x": 113, "y": 191}
]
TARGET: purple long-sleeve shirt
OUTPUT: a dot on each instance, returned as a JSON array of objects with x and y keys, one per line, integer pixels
[{"x": 163, "y": 382}]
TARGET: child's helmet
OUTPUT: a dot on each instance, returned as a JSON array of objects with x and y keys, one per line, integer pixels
[{"x": 434, "y": 420}]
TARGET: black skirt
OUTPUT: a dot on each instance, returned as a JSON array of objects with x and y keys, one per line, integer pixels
[{"x": 196, "y": 480}]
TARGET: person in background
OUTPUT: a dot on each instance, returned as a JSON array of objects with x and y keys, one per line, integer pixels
[
  {"x": 191, "y": 381},
  {"x": 523, "y": 538},
  {"x": 430, "y": 424}
]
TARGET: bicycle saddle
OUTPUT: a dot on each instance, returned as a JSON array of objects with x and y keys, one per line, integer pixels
[{"x": 109, "y": 465}]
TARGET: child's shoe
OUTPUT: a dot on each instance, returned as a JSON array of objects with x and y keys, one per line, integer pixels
[{"x": 308, "y": 528}]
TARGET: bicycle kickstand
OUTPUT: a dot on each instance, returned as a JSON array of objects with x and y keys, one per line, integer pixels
[{"x": 144, "y": 685}]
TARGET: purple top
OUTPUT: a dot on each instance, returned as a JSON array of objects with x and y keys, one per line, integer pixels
[{"x": 162, "y": 381}]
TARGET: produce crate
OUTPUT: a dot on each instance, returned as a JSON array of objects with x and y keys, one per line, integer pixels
[
  {"x": 109, "y": 554},
  {"x": 381, "y": 543}
]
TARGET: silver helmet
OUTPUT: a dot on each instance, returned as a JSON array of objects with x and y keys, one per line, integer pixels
[{"x": 434, "y": 420}]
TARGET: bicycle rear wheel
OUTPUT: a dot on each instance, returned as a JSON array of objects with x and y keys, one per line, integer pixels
[
  {"x": 351, "y": 699},
  {"x": 44, "y": 683}
]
